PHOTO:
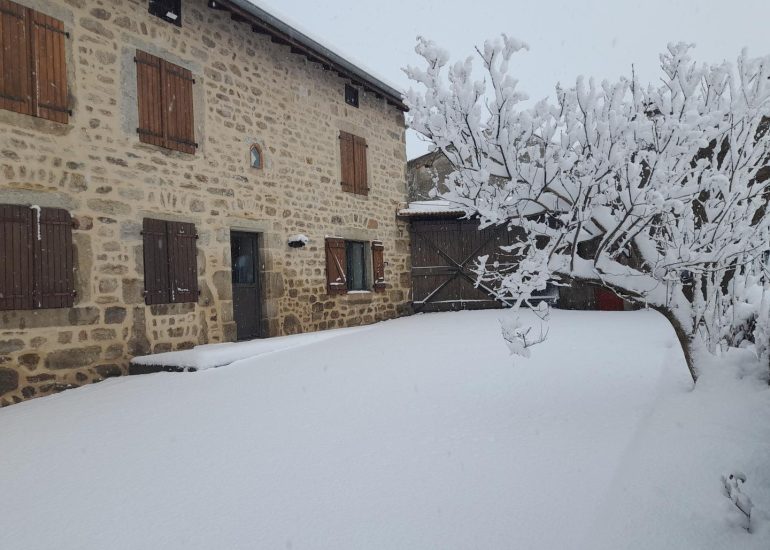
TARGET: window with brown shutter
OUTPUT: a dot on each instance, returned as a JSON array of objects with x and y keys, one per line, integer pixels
[
  {"x": 353, "y": 164},
  {"x": 378, "y": 266},
  {"x": 33, "y": 67},
  {"x": 36, "y": 258},
  {"x": 346, "y": 266},
  {"x": 170, "y": 262},
  {"x": 336, "y": 265},
  {"x": 164, "y": 94}
]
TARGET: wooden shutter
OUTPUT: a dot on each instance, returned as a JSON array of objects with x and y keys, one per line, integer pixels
[
  {"x": 51, "y": 97},
  {"x": 15, "y": 75},
  {"x": 378, "y": 266},
  {"x": 178, "y": 101},
  {"x": 359, "y": 148},
  {"x": 348, "y": 163},
  {"x": 336, "y": 265},
  {"x": 156, "y": 280},
  {"x": 164, "y": 93},
  {"x": 149, "y": 99},
  {"x": 183, "y": 262},
  {"x": 54, "y": 266},
  {"x": 16, "y": 264}
]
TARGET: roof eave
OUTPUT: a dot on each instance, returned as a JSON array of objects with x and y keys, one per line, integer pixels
[{"x": 265, "y": 23}]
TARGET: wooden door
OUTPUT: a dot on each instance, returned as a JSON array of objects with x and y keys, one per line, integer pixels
[
  {"x": 244, "y": 253},
  {"x": 443, "y": 256}
]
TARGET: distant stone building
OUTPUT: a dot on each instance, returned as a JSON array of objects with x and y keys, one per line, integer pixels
[
  {"x": 179, "y": 172},
  {"x": 425, "y": 174}
]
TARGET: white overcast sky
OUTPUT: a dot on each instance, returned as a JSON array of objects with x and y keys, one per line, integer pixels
[{"x": 566, "y": 37}]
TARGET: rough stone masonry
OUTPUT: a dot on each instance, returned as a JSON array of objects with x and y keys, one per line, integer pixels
[{"x": 248, "y": 90}]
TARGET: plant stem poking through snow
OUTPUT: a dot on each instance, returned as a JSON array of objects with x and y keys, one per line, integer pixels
[
  {"x": 655, "y": 191},
  {"x": 733, "y": 489}
]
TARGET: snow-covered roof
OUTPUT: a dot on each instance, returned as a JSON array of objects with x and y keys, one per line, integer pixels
[
  {"x": 431, "y": 208},
  {"x": 265, "y": 19}
]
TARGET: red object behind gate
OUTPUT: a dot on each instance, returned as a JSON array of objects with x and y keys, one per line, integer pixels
[{"x": 607, "y": 300}]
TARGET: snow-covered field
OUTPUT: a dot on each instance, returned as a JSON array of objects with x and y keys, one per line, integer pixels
[{"x": 411, "y": 434}]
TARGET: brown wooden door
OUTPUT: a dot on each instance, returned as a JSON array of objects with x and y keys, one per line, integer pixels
[{"x": 444, "y": 253}]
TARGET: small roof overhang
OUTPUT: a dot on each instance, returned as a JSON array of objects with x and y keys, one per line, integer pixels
[{"x": 431, "y": 209}]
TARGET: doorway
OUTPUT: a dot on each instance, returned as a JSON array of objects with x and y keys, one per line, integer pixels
[{"x": 244, "y": 254}]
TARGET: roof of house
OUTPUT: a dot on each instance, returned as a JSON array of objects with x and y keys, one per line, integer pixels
[
  {"x": 262, "y": 21},
  {"x": 426, "y": 159}
]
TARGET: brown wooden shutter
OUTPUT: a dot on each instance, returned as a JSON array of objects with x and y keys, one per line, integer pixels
[
  {"x": 378, "y": 266},
  {"x": 164, "y": 93},
  {"x": 15, "y": 55},
  {"x": 336, "y": 266},
  {"x": 183, "y": 262},
  {"x": 156, "y": 280},
  {"x": 54, "y": 259},
  {"x": 359, "y": 148},
  {"x": 348, "y": 162},
  {"x": 51, "y": 97},
  {"x": 149, "y": 99},
  {"x": 16, "y": 261},
  {"x": 178, "y": 100}
]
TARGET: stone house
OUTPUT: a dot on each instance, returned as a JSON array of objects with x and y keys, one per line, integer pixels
[{"x": 180, "y": 172}]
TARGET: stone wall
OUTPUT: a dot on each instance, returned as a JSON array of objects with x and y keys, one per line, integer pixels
[
  {"x": 426, "y": 174},
  {"x": 247, "y": 90}
]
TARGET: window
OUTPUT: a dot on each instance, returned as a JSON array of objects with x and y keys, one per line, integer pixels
[
  {"x": 36, "y": 258},
  {"x": 170, "y": 10},
  {"x": 356, "y": 272},
  {"x": 353, "y": 161},
  {"x": 170, "y": 262},
  {"x": 165, "y": 98},
  {"x": 255, "y": 157},
  {"x": 351, "y": 95},
  {"x": 33, "y": 70},
  {"x": 347, "y": 266}
]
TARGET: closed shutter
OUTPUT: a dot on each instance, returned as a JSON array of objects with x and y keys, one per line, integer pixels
[
  {"x": 16, "y": 261},
  {"x": 359, "y": 148},
  {"x": 51, "y": 98},
  {"x": 183, "y": 262},
  {"x": 15, "y": 76},
  {"x": 156, "y": 280},
  {"x": 149, "y": 99},
  {"x": 348, "y": 163},
  {"x": 178, "y": 101},
  {"x": 336, "y": 278},
  {"x": 54, "y": 266},
  {"x": 378, "y": 266}
]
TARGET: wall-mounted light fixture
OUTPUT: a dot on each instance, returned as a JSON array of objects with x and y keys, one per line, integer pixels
[{"x": 298, "y": 241}]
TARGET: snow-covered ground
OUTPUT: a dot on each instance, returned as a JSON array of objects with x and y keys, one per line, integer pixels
[{"x": 411, "y": 434}]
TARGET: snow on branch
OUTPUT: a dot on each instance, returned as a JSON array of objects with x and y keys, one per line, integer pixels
[{"x": 658, "y": 191}]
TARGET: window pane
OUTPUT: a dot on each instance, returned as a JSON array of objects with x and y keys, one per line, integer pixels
[
  {"x": 243, "y": 260},
  {"x": 356, "y": 266},
  {"x": 256, "y": 158}
]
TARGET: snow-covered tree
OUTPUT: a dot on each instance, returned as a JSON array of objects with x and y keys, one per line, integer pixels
[{"x": 657, "y": 192}]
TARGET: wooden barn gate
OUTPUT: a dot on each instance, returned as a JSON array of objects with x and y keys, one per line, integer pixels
[{"x": 444, "y": 252}]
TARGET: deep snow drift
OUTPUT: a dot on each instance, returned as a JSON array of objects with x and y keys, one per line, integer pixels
[{"x": 415, "y": 433}]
